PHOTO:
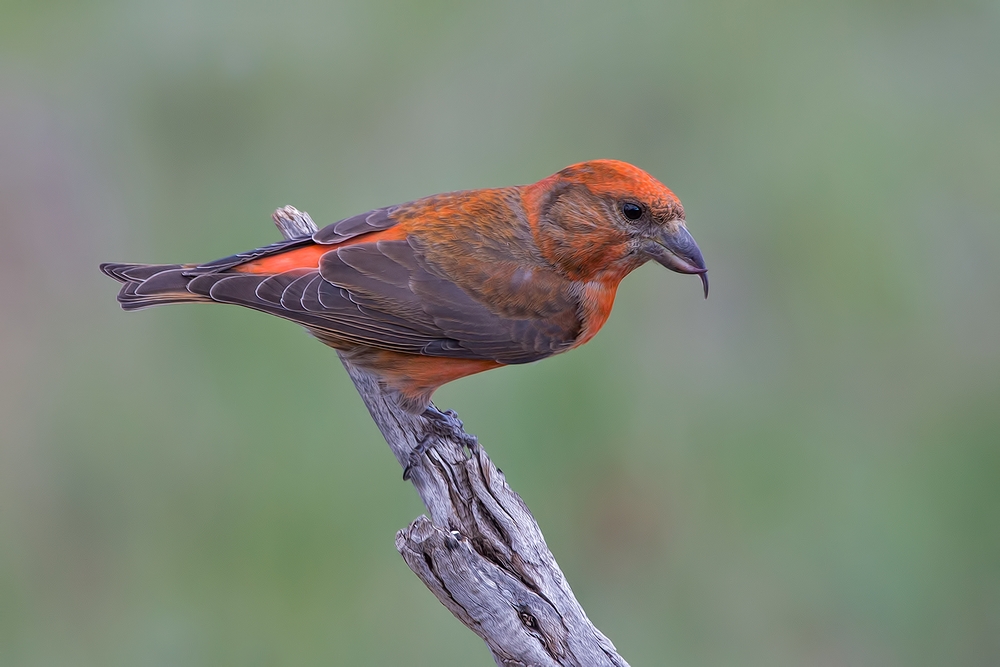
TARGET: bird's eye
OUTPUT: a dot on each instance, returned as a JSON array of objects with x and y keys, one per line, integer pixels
[{"x": 631, "y": 211}]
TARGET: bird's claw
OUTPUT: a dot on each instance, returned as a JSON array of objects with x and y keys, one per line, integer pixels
[
  {"x": 415, "y": 455},
  {"x": 439, "y": 425},
  {"x": 447, "y": 425}
]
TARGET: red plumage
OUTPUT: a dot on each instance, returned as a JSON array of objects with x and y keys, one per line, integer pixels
[{"x": 453, "y": 284}]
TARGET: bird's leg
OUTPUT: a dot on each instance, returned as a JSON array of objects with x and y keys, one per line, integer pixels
[{"x": 439, "y": 425}]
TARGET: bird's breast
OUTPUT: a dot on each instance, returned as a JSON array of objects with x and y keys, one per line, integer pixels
[{"x": 596, "y": 302}]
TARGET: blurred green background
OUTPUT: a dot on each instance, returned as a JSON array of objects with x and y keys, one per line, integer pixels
[{"x": 803, "y": 470}]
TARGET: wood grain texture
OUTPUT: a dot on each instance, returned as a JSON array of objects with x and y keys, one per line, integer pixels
[{"x": 480, "y": 552}]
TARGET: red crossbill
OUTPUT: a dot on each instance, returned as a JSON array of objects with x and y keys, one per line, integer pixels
[{"x": 427, "y": 292}]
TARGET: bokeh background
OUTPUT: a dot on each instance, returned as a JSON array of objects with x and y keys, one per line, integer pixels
[{"x": 802, "y": 470}]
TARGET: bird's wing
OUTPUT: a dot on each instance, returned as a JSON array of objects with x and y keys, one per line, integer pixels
[
  {"x": 343, "y": 230},
  {"x": 386, "y": 295},
  {"x": 348, "y": 228}
]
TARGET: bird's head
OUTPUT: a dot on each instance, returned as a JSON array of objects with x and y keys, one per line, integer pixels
[{"x": 606, "y": 218}]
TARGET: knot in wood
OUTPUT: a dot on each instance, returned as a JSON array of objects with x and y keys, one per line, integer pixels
[
  {"x": 452, "y": 541},
  {"x": 527, "y": 618}
]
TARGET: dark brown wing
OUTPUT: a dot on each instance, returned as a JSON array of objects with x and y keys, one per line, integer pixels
[
  {"x": 387, "y": 296},
  {"x": 334, "y": 233},
  {"x": 372, "y": 221}
]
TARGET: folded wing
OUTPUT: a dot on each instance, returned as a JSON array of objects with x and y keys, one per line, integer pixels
[{"x": 385, "y": 295}]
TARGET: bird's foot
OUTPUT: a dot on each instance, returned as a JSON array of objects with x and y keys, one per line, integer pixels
[
  {"x": 447, "y": 425},
  {"x": 415, "y": 455},
  {"x": 440, "y": 425}
]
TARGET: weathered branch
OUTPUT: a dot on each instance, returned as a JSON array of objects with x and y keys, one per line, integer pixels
[{"x": 481, "y": 553}]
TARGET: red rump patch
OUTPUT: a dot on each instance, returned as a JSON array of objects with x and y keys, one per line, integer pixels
[{"x": 308, "y": 257}]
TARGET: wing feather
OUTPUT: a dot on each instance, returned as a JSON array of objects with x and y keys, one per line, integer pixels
[
  {"x": 334, "y": 233},
  {"x": 372, "y": 221}
]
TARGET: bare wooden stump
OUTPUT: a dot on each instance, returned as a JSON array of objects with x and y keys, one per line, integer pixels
[{"x": 481, "y": 553}]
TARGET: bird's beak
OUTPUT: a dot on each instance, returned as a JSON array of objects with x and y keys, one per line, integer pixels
[{"x": 672, "y": 246}]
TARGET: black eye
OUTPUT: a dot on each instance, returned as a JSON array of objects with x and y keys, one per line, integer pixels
[{"x": 632, "y": 211}]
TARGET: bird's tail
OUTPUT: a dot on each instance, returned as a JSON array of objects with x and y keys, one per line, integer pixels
[{"x": 146, "y": 285}]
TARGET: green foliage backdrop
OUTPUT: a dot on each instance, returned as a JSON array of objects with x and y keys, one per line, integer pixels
[{"x": 803, "y": 470}]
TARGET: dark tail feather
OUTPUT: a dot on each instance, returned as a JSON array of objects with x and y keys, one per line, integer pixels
[{"x": 148, "y": 285}]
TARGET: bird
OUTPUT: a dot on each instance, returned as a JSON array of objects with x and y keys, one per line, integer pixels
[{"x": 426, "y": 292}]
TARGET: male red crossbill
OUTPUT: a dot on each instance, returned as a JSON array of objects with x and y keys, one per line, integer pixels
[{"x": 427, "y": 292}]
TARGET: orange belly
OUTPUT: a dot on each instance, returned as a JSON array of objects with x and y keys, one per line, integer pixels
[{"x": 414, "y": 378}]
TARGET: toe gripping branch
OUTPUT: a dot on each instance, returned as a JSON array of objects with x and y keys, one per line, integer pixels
[{"x": 439, "y": 425}]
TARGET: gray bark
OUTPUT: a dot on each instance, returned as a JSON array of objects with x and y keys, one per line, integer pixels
[{"x": 481, "y": 553}]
